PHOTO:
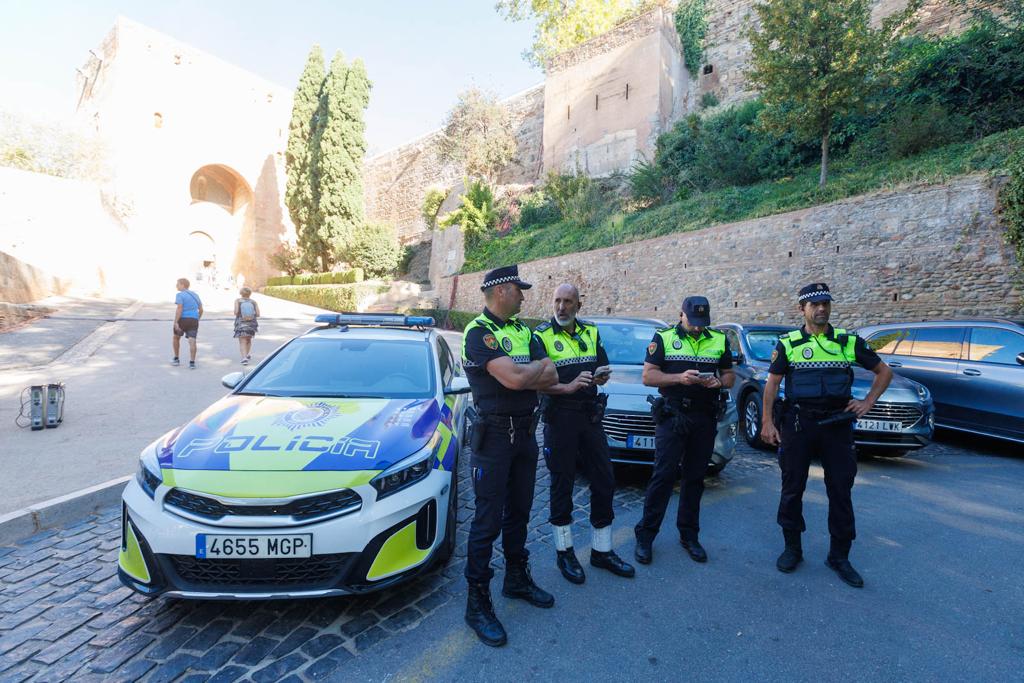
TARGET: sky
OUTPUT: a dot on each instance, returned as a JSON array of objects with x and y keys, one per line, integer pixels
[{"x": 419, "y": 53}]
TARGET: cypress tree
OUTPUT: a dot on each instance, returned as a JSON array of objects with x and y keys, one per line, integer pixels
[
  {"x": 302, "y": 189},
  {"x": 342, "y": 147}
]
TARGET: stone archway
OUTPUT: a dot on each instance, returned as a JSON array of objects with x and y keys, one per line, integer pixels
[{"x": 217, "y": 220}]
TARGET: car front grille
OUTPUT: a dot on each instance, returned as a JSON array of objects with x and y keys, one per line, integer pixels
[
  {"x": 906, "y": 414},
  {"x": 301, "y": 509},
  {"x": 618, "y": 425},
  {"x": 309, "y": 572}
]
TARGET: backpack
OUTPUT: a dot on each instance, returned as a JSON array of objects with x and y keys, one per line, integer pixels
[{"x": 247, "y": 310}]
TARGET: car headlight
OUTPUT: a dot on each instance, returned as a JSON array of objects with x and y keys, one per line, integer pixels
[
  {"x": 407, "y": 472},
  {"x": 149, "y": 472}
]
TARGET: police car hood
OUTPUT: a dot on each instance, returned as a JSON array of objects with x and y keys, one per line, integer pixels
[
  {"x": 627, "y": 380},
  {"x": 257, "y": 433}
]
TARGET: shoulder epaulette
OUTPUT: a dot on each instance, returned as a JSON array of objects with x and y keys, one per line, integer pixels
[
  {"x": 543, "y": 326},
  {"x": 585, "y": 323},
  {"x": 665, "y": 329}
]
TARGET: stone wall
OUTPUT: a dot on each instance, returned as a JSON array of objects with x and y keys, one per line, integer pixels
[
  {"x": 923, "y": 251},
  {"x": 396, "y": 181},
  {"x": 21, "y": 283}
]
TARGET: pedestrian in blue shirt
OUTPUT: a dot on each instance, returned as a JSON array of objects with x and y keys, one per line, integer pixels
[{"x": 188, "y": 311}]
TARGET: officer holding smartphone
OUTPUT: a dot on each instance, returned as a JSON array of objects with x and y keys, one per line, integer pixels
[
  {"x": 689, "y": 364},
  {"x": 572, "y": 412}
]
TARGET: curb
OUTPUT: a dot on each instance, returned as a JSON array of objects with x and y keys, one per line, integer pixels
[{"x": 20, "y": 524}]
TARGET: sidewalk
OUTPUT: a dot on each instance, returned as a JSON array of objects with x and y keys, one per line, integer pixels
[{"x": 122, "y": 392}]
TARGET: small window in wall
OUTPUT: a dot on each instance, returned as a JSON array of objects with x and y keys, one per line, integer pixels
[
  {"x": 597, "y": 101},
  {"x": 567, "y": 113},
  {"x": 177, "y": 59},
  {"x": 270, "y": 97},
  {"x": 627, "y": 91},
  {"x": 158, "y": 120},
  {"x": 708, "y": 69}
]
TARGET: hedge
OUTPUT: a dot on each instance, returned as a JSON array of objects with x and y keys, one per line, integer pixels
[
  {"x": 457, "y": 320},
  {"x": 344, "y": 277},
  {"x": 343, "y": 297}
]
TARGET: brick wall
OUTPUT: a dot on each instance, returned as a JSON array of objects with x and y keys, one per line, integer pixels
[{"x": 924, "y": 251}]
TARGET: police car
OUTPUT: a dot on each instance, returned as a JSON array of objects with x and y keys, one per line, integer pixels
[{"x": 327, "y": 470}]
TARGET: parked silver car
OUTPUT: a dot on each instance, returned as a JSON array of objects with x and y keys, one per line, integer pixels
[
  {"x": 974, "y": 369},
  {"x": 627, "y": 419},
  {"x": 901, "y": 420}
]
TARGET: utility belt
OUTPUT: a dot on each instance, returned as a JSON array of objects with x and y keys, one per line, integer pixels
[
  {"x": 679, "y": 411},
  {"x": 483, "y": 424},
  {"x": 592, "y": 408},
  {"x": 822, "y": 416}
]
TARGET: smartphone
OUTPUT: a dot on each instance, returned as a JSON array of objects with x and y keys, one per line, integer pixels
[
  {"x": 705, "y": 375},
  {"x": 602, "y": 371}
]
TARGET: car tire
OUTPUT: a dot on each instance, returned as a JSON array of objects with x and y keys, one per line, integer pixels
[{"x": 750, "y": 420}]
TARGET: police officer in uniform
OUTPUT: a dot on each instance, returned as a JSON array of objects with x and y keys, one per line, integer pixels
[
  {"x": 816, "y": 420},
  {"x": 689, "y": 364},
  {"x": 505, "y": 368},
  {"x": 572, "y": 412}
]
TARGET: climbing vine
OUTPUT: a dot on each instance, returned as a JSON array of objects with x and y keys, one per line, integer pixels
[
  {"x": 1011, "y": 202},
  {"x": 692, "y": 27}
]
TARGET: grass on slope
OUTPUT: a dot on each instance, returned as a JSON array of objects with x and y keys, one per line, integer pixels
[{"x": 847, "y": 179}]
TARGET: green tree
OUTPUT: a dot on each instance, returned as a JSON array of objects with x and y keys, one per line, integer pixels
[
  {"x": 476, "y": 215},
  {"x": 302, "y": 188},
  {"x": 477, "y": 135},
  {"x": 375, "y": 249},
  {"x": 817, "y": 60},
  {"x": 562, "y": 24},
  {"x": 342, "y": 144}
]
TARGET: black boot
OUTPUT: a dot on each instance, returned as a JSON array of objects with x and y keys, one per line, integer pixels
[
  {"x": 838, "y": 561},
  {"x": 793, "y": 554},
  {"x": 519, "y": 585},
  {"x": 643, "y": 553},
  {"x": 570, "y": 566},
  {"x": 694, "y": 549},
  {"x": 612, "y": 563},
  {"x": 480, "y": 616}
]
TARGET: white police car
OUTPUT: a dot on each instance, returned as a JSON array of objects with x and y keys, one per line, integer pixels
[{"x": 327, "y": 470}]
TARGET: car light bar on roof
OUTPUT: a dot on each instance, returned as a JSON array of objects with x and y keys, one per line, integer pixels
[{"x": 375, "y": 320}]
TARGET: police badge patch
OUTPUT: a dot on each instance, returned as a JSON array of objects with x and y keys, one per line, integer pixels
[
  {"x": 677, "y": 345},
  {"x": 652, "y": 347},
  {"x": 808, "y": 352},
  {"x": 506, "y": 344},
  {"x": 490, "y": 342},
  {"x": 775, "y": 354},
  {"x": 559, "y": 346}
]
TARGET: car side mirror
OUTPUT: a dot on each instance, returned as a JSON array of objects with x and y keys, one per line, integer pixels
[
  {"x": 1020, "y": 358},
  {"x": 232, "y": 379},
  {"x": 458, "y": 385},
  {"x": 737, "y": 357}
]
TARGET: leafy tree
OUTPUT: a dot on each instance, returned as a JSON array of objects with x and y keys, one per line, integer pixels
[
  {"x": 432, "y": 202},
  {"x": 476, "y": 214},
  {"x": 562, "y": 24},
  {"x": 342, "y": 144},
  {"x": 302, "y": 188},
  {"x": 815, "y": 61},
  {"x": 375, "y": 249},
  {"x": 477, "y": 135}
]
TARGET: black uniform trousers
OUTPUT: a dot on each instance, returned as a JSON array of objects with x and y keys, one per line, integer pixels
[
  {"x": 692, "y": 447},
  {"x": 571, "y": 441},
  {"x": 504, "y": 473},
  {"x": 833, "y": 445}
]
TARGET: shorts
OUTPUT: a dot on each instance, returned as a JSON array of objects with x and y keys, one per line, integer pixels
[{"x": 189, "y": 328}]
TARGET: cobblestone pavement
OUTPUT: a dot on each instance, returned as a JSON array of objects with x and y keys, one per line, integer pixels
[{"x": 65, "y": 616}]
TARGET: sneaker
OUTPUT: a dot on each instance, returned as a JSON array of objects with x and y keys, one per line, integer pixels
[
  {"x": 191, "y": 365},
  {"x": 245, "y": 361},
  {"x": 175, "y": 362}
]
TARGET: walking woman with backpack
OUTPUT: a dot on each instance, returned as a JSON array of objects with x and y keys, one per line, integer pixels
[{"x": 247, "y": 315}]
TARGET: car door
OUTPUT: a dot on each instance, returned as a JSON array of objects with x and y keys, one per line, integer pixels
[
  {"x": 740, "y": 367},
  {"x": 991, "y": 375},
  {"x": 932, "y": 360}
]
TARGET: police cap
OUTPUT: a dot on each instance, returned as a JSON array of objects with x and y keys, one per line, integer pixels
[
  {"x": 817, "y": 291},
  {"x": 697, "y": 310},
  {"x": 500, "y": 276}
]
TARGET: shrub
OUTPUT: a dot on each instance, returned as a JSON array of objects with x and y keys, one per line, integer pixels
[
  {"x": 275, "y": 281},
  {"x": 537, "y": 208},
  {"x": 577, "y": 197},
  {"x": 692, "y": 26},
  {"x": 431, "y": 205},
  {"x": 708, "y": 100},
  {"x": 335, "y": 278},
  {"x": 476, "y": 215},
  {"x": 457, "y": 320},
  {"x": 1011, "y": 207},
  {"x": 332, "y": 297},
  {"x": 375, "y": 249},
  {"x": 649, "y": 184}
]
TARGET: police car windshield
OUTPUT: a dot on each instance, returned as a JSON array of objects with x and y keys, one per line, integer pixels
[
  {"x": 625, "y": 342},
  {"x": 762, "y": 342},
  {"x": 347, "y": 368}
]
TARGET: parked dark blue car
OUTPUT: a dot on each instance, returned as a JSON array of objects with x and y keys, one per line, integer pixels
[{"x": 901, "y": 420}]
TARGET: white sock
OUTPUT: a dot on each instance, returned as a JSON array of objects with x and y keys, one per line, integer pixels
[
  {"x": 602, "y": 539},
  {"x": 563, "y": 536}
]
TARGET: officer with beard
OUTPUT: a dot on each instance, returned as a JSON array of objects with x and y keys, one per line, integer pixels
[
  {"x": 573, "y": 434},
  {"x": 816, "y": 421}
]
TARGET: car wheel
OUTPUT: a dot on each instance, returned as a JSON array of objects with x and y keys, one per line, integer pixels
[
  {"x": 750, "y": 420},
  {"x": 444, "y": 552}
]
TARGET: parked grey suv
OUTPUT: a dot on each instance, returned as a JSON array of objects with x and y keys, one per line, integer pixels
[{"x": 974, "y": 369}]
